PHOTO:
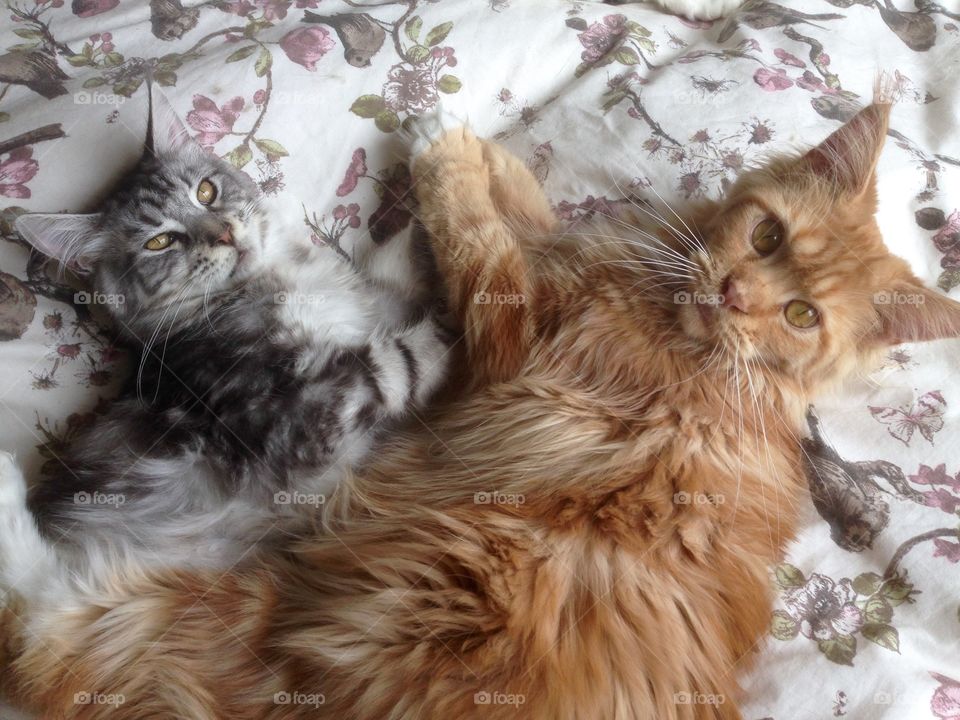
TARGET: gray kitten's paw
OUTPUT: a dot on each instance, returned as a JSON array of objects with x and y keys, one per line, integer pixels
[
  {"x": 13, "y": 488},
  {"x": 701, "y": 9},
  {"x": 424, "y": 131}
]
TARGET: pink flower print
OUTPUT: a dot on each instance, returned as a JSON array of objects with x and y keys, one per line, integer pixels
[
  {"x": 211, "y": 122},
  {"x": 69, "y": 351},
  {"x": 788, "y": 59},
  {"x": 823, "y": 608},
  {"x": 948, "y": 235},
  {"x": 600, "y": 37},
  {"x": 410, "y": 89},
  {"x": 16, "y": 171},
  {"x": 358, "y": 167},
  {"x": 945, "y": 703},
  {"x": 350, "y": 213},
  {"x": 89, "y": 8},
  {"x": 772, "y": 81},
  {"x": 274, "y": 9},
  {"x": 305, "y": 46},
  {"x": 946, "y": 549}
]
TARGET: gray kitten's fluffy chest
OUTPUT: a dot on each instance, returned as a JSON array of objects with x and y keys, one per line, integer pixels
[{"x": 247, "y": 421}]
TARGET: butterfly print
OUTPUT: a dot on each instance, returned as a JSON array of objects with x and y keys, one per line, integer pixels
[{"x": 925, "y": 415}]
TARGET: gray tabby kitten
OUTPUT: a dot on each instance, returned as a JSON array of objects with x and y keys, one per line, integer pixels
[{"x": 266, "y": 364}]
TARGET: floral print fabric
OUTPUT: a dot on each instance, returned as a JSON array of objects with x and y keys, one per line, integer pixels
[{"x": 603, "y": 101}]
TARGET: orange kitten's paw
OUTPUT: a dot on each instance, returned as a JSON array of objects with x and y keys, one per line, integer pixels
[{"x": 427, "y": 129}]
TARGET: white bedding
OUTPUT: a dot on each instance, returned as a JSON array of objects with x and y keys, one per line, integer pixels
[{"x": 602, "y": 100}]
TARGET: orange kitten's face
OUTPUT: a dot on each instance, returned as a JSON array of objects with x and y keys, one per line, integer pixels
[
  {"x": 791, "y": 276},
  {"x": 796, "y": 277}
]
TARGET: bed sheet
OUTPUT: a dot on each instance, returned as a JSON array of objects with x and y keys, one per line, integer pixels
[{"x": 603, "y": 101}]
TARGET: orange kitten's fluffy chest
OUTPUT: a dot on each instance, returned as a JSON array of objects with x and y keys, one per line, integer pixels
[{"x": 671, "y": 450}]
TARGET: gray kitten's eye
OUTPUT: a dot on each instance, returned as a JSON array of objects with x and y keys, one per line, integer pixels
[
  {"x": 159, "y": 242},
  {"x": 206, "y": 192}
]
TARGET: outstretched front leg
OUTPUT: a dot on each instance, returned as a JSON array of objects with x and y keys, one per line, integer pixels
[{"x": 480, "y": 205}]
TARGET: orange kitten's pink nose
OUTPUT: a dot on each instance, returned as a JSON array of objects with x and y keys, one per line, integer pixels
[{"x": 731, "y": 295}]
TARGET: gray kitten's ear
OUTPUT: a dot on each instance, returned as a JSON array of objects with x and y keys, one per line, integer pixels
[
  {"x": 71, "y": 239},
  {"x": 166, "y": 133}
]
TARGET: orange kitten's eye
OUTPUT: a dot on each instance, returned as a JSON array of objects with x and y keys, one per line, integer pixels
[
  {"x": 767, "y": 236},
  {"x": 801, "y": 314},
  {"x": 206, "y": 192}
]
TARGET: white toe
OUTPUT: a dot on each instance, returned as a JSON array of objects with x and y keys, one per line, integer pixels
[
  {"x": 428, "y": 128},
  {"x": 13, "y": 488}
]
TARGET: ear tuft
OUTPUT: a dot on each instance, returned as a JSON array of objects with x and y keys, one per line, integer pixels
[
  {"x": 70, "y": 239},
  {"x": 166, "y": 133},
  {"x": 910, "y": 312},
  {"x": 848, "y": 158}
]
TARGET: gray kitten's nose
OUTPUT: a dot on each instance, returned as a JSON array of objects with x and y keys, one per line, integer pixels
[{"x": 224, "y": 237}]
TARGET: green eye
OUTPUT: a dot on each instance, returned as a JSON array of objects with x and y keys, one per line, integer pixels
[
  {"x": 801, "y": 314},
  {"x": 767, "y": 236},
  {"x": 159, "y": 242},
  {"x": 206, "y": 192}
]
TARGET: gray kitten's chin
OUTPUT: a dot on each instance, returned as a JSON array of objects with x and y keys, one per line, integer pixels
[{"x": 249, "y": 242}]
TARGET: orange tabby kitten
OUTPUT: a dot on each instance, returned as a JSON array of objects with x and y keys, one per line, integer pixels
[{"x": 587, "y": 532}]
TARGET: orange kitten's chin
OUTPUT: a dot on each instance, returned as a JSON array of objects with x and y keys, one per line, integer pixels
[
  {"x": 699, "y": 314},
  {"x": 695, "y": 320}
]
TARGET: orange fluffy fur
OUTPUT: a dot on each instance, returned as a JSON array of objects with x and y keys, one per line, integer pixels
[{"x": 596, "y": 401}]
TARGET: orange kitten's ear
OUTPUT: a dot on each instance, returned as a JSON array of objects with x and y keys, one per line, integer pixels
[
  {"x": 913, "y": 313},
  {"x": 849, "y": 156}
]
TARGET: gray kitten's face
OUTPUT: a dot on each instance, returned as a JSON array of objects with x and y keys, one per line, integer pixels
[{"x": 176, "y": 236}]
